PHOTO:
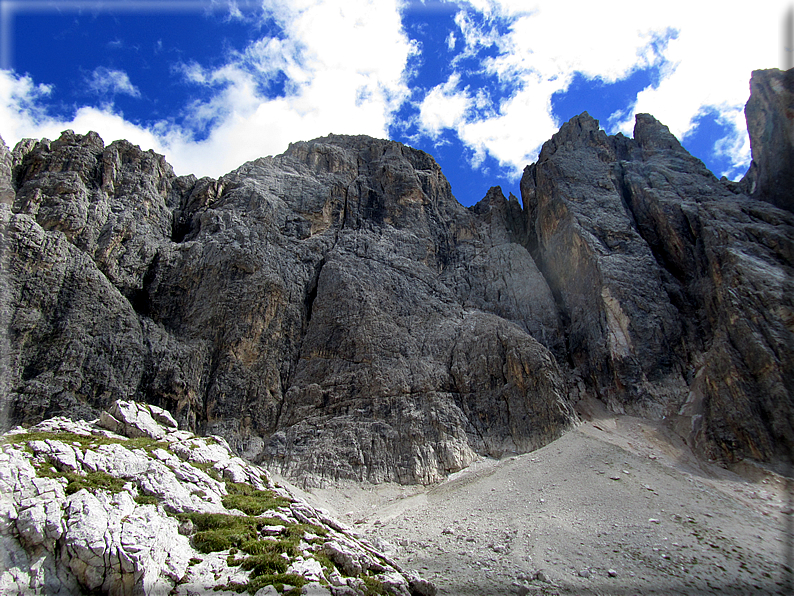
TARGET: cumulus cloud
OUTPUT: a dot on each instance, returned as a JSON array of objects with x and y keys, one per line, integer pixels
[
  {"x": 343, "y": 62},
  {"x": 693, "y": 46},
  {"x": 107, "y": 81},
  {"x": 344, "y": 66},
  {"x": 22, "y": 116}
]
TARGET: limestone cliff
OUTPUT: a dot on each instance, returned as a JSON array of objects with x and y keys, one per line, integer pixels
[
  {"x": 677, "y": 287},
  {"x": 332, "y": 311},
  {"x": 130, "y": 505},
  {"x": 335, "y": 313}
]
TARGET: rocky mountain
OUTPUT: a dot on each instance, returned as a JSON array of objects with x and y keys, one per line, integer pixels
[
  {"x": 128, "y": 504},
  {"x": 333, "y": 312}
]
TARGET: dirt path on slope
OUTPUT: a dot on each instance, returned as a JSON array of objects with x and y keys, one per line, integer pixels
[{"x": 616, "y": 506}]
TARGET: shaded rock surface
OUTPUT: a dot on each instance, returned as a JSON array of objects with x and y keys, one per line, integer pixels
[
  {"x": 86, "y": 510},
  {"x": 678, "y": 288},
  {"x": 770, "y": 122},
  {"x": 332, "y": 311},
  {"x": 335, "y": 313}
]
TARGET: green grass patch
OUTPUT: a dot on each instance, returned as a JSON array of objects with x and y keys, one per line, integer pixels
[
  {"x": 207, "y": 468},
  {"x": 265, "y": 564},
  {"x": 325, "y": 561},
  {"x": 298, "y": 530},
  {"x": 27, "y": 437},
  {"x": 216, "y": 532},
  {"x": 83, "y": 441},
  {"x": 278, "y": 580},
  {"x": 147, "y": 500},
  {"x": 251, "y": 501},
  {"x": 375, "y": 587},
  {"x": 92, "y": 481}
]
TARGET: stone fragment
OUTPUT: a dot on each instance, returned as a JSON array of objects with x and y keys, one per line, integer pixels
[
  {"x": 309, "y": 568},
  {"x": 315, "y": 589}
]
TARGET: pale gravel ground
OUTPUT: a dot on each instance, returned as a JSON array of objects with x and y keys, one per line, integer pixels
[{"x": 615, "y": 494}]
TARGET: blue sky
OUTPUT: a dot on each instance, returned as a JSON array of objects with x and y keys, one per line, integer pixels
[{"x": 479, "y": 84}]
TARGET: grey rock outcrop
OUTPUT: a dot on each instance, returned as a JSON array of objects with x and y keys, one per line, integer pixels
[
  {"x": 333, "y": 312},
  {"x": 678, "y": 287},
  {"x": 770, "y": 123},
  {"x": 86, "y": 510}
]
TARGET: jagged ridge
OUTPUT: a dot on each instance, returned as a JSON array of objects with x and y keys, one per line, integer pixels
[{"x": 334, "y": 312}]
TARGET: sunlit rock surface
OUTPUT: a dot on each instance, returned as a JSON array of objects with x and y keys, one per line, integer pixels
[
  {"x": 86, "y": 510},
  {"x": 333, "y": 311}
]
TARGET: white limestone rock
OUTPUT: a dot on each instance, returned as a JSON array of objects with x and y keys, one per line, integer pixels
[{"x": 102, "y": 540}]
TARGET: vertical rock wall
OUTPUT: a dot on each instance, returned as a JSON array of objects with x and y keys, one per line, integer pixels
[
  {"x": 335, "y": 313},
  {"x": 677, "y": 287}
]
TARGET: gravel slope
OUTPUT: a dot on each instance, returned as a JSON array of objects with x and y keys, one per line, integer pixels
[{"x": 616, "y": 506}]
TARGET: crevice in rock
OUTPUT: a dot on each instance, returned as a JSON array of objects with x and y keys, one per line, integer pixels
[
  {"x": 139, "y": 298},
  {"x": 311, "y": 294},
  {"x": 675, "y": 281}
]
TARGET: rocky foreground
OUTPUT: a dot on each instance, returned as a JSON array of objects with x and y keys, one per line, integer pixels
[
  {"x": 128, "y": 504},
  {"x": 616, "y": 507}
]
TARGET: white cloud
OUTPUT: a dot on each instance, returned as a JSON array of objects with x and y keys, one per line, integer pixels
[
  {"x": 345, "y": 61},
  {"x": 107, "y": 81},
  {"x": 21, "y": 116},
  {"x": 346, "y": 64},
  {"x": 451, "y": 41},
  {"x": 444, "y": 107},
  {"x": 705, "y": 55}
]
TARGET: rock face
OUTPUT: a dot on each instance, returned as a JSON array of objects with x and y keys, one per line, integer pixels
[
  {"x": 677, "y": 287},
  {"x": 87, "y": 510},
  {"x": 332, "y": 311},
  {"x": 335, "y": 313},
  {"x": 770, "y": 122}
]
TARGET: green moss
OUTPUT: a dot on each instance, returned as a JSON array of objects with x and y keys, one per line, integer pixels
[
  {"x": 250, "y": 500},
  {"x": 147, "y": 500},
  {"x": 375, "y": 587}
]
